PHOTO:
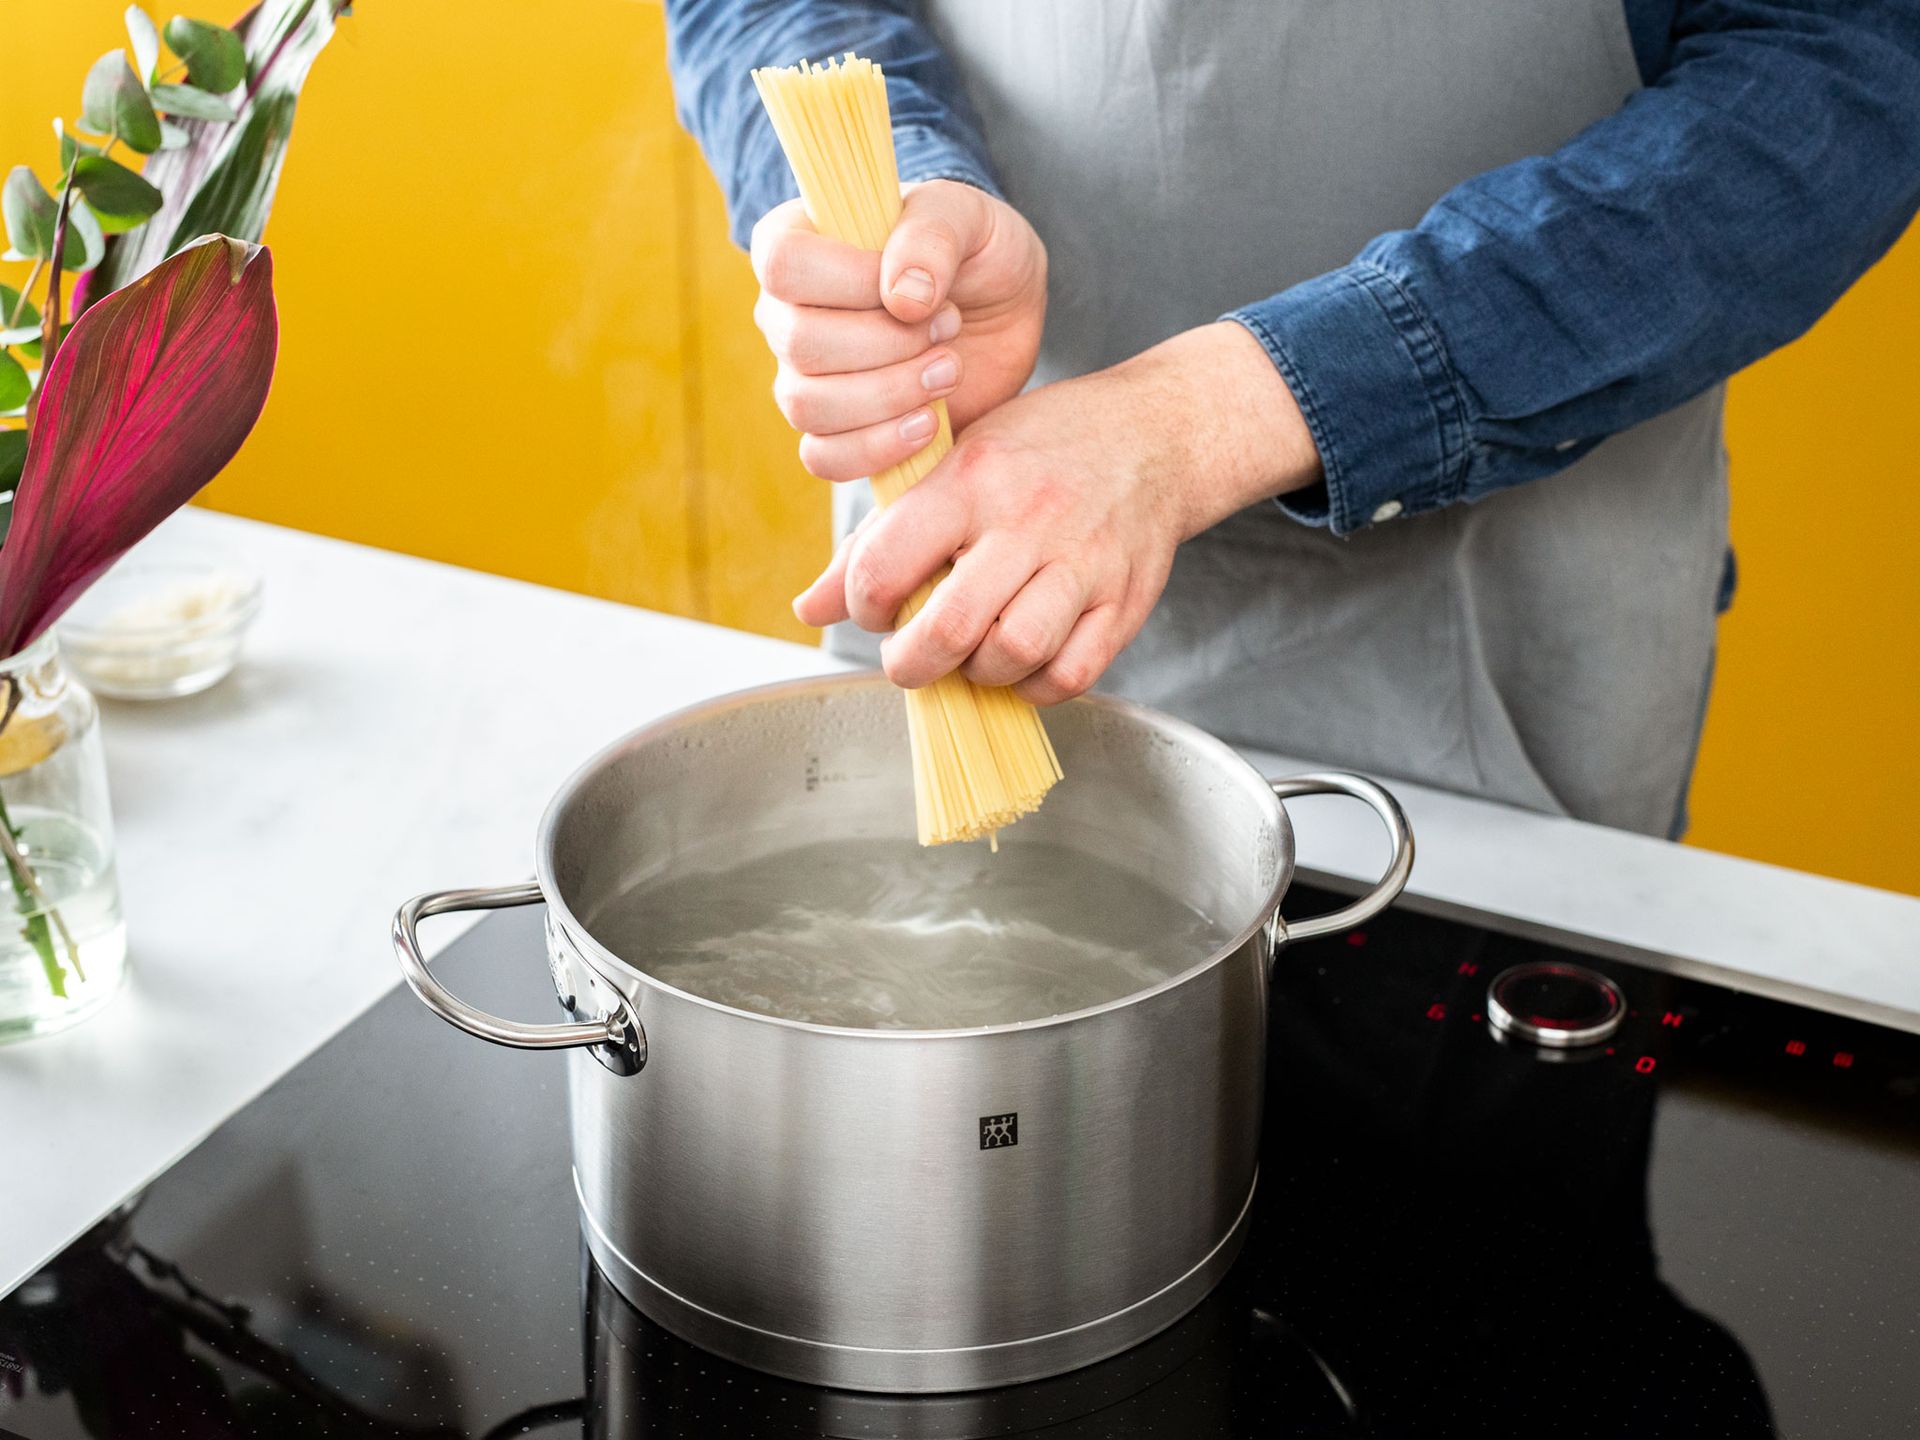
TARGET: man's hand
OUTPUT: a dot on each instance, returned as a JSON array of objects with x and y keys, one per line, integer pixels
[
  {"x": 952, "y": 309},
  {"x": 1060, "y": 512}
]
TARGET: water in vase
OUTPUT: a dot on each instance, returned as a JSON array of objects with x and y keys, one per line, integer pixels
[{"x": 63, "y": 951}]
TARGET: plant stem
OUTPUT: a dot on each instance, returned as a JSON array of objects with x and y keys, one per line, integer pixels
[
  {"x": 20, "y": 300},
  {"x": 26, "y": 884},
  {"x": 50, "y": 317},
  {"x": 34, "y": 928}
]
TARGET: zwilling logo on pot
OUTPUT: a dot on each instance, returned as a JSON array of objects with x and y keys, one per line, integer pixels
[{"x": 999, "y": 1131}]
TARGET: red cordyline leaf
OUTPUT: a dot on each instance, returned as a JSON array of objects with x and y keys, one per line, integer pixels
[{"x": 154, "y": 390}]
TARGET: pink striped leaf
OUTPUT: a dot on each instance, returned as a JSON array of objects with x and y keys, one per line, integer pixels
[{"x": 150, "y": 395}]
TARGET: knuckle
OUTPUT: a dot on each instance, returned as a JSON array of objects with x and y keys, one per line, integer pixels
[
  {"x": 757, "y": 241},
  {"x": 950, "y": 629},
  {"x": 1069, "y": 676},
  {"x": 779, "y": 264},
  {"x": 1022, "y": 644},
  {"x": 868, "y": 582},
  {"x": 817, "y": 458},
  {"x": 790, "y": 394},
  {"x": 775, "y": 321},
  {"x": 880, "y": 448},
  {"x": 938, "y": 241},
  {"x": 1036, "y": 690},
  {"x": 974, "y": 457},
  {"x": 803, "y": 346}
]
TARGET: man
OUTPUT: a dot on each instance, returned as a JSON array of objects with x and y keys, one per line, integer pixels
[{"x": 1455, "y": 283}]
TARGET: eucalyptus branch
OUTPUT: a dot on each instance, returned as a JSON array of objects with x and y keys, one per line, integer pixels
[
  {"x": 50, "y": 317},
  {"x": 20, "y": 300}
]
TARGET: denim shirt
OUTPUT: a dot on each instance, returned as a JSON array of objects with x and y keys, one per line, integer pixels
[{"x": 1537, "y": 308}]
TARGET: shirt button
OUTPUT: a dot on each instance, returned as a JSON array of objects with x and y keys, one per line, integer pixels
[{"x": 1387, "y": 511}]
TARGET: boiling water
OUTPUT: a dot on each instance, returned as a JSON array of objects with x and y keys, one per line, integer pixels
[{"x": 885, "y": 935}]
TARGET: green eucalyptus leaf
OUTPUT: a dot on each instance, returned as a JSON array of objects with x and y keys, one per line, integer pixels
[
  {"x": 15, "y": 387},
  {"x": 19, "y": 322},
  {"x": 193, "y": 103},
  {"x": 119, "y": 197},
  {"x": 223, "y": 181},
  {"x": 30, "y": 214},
  {"x": 172, "y": 137},
  {"x": 146, "y": 43},
  {"x": 22, "y": 322},
  {"x": 13, "y": 459},
  {"x": 216, "y": 60},
  {"x": 25, "y": 314},
  {"x": 114, "y": 102},
  {"x": 71, "y": 146},
  {"x": 84, "y": 236}
]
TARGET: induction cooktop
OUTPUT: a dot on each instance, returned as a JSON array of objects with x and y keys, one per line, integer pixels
[{"x": 1508, "y": 1190}]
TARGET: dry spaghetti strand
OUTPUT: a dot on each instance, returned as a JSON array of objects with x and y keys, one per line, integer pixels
[{"x": 981, "y": 757}]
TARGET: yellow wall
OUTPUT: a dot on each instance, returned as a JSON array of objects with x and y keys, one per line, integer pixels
[
  {"x": 1812, "y": 751},
  {"x": 514, "y": 338}
]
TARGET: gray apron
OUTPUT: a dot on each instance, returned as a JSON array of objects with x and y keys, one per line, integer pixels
[{"x": 1549, "y": 646}]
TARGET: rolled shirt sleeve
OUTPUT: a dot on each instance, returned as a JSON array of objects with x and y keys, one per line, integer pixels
[
  {"x": 714, "y": 45},
  {"x": 1542, "y": 306}
]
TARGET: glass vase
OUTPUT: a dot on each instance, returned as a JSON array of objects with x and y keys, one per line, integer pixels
[{"x": 63, "y": 944}]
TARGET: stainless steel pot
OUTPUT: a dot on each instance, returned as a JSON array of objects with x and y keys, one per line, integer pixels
[{"x": 909, "y": 1211}]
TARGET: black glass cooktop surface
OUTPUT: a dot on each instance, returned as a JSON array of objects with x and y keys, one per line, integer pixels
[{"x": 1708, "y": 1225}]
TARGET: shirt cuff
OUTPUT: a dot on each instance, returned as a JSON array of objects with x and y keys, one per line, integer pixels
[
  {"x": 1379, "y": 397},
  {"x": 923, "y": 154}
]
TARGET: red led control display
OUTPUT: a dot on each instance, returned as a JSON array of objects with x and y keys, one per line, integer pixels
[{"x": 1796, "y": 1047}]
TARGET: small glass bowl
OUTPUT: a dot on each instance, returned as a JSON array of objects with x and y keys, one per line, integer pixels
[{"x": 161, "y": 625}]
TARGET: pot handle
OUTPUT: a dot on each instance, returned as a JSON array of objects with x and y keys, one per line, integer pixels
[
  {"x": 1382, "y": 894},
  {"x": 616, "y": 1038}
]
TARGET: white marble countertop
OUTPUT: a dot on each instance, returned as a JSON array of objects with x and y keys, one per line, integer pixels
[{"x": 398, "y": 725}]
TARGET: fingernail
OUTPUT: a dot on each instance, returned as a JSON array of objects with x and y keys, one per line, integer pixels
[
  {"x": 917, "y": 426},
  {"x": 915, "y": 284},
  {"x": 945, "y": 325},
  {"x": 941, "y": 374}
]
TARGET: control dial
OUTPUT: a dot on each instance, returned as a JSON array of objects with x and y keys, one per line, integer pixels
[{"x": 1554, "y": 1004}]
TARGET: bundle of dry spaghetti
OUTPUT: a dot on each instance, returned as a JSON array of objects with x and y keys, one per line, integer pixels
[{"x": 981, "y": 758}]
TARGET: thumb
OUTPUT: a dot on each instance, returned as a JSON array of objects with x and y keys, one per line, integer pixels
[
  {"x": 942, "y": 223},
  {"x": 824, "y": 602}
]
